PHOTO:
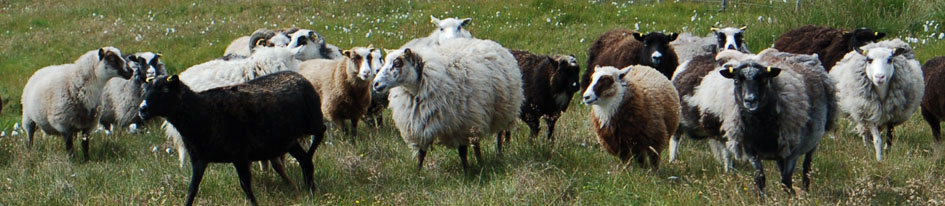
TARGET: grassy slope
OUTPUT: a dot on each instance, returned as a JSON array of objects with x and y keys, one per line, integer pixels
[{"x": 379, "y": 168}]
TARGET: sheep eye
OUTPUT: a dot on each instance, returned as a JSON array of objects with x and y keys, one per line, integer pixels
[
  {"x": 870, "y": 60},
  {"x": 398, "y": 63},
  {"x": 441, "y": 29}
]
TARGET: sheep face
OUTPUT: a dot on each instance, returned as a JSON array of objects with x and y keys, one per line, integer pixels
[
  {"x": 607, "y": 86},
  {"x": 145, "y": 65},
  {"x": 161, "y": 97},
  {"x": 730, "y": 38},
  {"x": 862, "y": 36},
  {"x": 566, "y": 75},
  {"x": 655, "y": 46},
  {"x": 752, "y": 83},
  {"x": 308, "y": 39},
  {"x": 879, "y": 68},
  {"x": 450, "y": 28},
  {"x": 366, "y": 59},
  {"x": 401, "y": 67},
  {"x": 111, "y": 64}
]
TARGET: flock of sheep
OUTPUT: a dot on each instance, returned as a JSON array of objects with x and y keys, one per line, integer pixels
[{"x": 274, "y": 88}]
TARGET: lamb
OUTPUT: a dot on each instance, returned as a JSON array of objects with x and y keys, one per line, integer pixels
[
  {"x": 829, "y": 44},
  {"x": 61, "y": 99},
  {"x": 634, "y": 111},
  {"x": 548, "y": 83},
  {"x": 258, "y": 120},
  {"x": 120, "y": 98},
  {"x": 779, "y": 106},
  {"x": 933, "y": 102},
  {"x": 313, "y": 43},
  {"x": 879, "y": 86},
  {"x": 448, "y": 28},
  {"x": 426, "y": 85},
  {"x": 344, "y": 85},
  {"x": 688, "y": 46},
  {"x": 615, "y": 48}
]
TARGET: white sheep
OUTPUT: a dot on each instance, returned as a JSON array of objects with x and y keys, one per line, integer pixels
[
  {"x": 446, "y": 29},
  {"x": 61, "y": 99},
  {"x": 461, "y": 89},
  {"x": 879, "y": 86},
  {"x": 313, "y": 43},
  {"x": 120, "y": 98},
  {"x": 688, "y": 46},
  {"x": 344, "y": 85}
]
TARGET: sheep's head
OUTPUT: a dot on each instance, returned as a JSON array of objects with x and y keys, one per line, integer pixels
[
  {"x": 607, "y": 85},
  {"x": 400, "y": 67},
  {"x": 730, "y": 38},
  {"x": 366, "y": 60},
  {"x": 879, "y": 68},
  {"x": 566, "y": 75},
  {"x": 145, "y": 65},
  {"x": 162, "y": 96},
  {"x": 450, "y": 28},
  {"x": 862, "y": 36},
  {"x": 655, "y": 47},
  {"x": 752, "y": 83},
  {"x": 111, "y": 64},
  {"x": 310, "y": 40}
]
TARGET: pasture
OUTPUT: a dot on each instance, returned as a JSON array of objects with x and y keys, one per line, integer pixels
[{"x": 378, "y": 168}]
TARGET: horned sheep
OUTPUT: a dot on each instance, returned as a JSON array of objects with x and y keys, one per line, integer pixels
[
  {"x": 61, "y": 99},
  {"x": 344, "y": 84},
  {"x": 120, "y": 98},
  {"x": 879, "y": 86},
  {"x": 258, "y": 120},
  {"x": 549, "y": 82},
  {"x": 933, "y": 102},
  {"x": 313, "y": 43},
  {"x": 427, "y": 84},
  {"x": 634, "y": 111},
  {"x": 829, "y": 44},
  {"x": 620, "y": 48}
]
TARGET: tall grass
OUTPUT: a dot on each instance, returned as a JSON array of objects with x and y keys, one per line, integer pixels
[{"x": 379, "y": 169}]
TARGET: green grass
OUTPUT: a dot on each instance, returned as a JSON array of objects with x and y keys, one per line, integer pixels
[{"x": 379, "y": 169}]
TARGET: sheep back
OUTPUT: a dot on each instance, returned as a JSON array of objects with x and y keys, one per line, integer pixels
[
  {"x": 239, "y": 46},
  {"x": 220, "y": 72},
  {"x": 855, "y": 94},
  {"x": 689, "y": 75}
]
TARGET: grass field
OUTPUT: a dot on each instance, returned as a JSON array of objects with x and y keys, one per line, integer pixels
[{"x": 142, "y": 169}]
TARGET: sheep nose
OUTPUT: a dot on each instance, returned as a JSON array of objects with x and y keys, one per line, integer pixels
[
  {"x": 880, "y": 76},
  {"x": 750, "y": 98},
  {"x": 731, "y": 47}
]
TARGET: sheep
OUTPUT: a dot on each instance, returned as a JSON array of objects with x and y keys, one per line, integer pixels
[
  {"x": 933, "y": 102},
  {"x": 61, "y": 99},
  {"x": 426, "y": 85},
  {"x": 776, "y": 106},
  {"x": 879, "y": 86},
  {"x": 693, "y": 121},
  {"x": 634, "y": 111},
  {"x": 448, "y": 28},
  {"x": 828, "y": 43},
  {"x": 688, "y": 46},
  {"x": 344, "y": 85},
  {"x": 221, "y": 72},
  {"x": 615, "y": 48},
  {"x": 120, "y": 98},
  {"x": 313, "y": 43},
  {"x": 548, "y": 84},
  {"x": 378, "y": 99},
  {"x": 257, "y": 120}
]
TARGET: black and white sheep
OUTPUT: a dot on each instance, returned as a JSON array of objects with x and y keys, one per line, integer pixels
[
  {"x": 451, "y": 94},
  {"x": 620, "y": 48},
  {"x": 778, "y": 106},
  {"x": 933, "y": 102},
  {"x": 344, "y": 85},
  {"x": 61, "y": 99},
  {"x": 829, "y": 44},
  {"x": 548, "y": 83},
  {"x": 258, "y": 120},
  {"x": 634, "y": 111},
  {"x": 879, "y": 86},
  {"x": 449, "y": 28},
  {"x": 313, "y": 43},
  {"x": 120, "y": 98},
  {"x": 688, "y": 46},
  {"x": 378, "y": 99}
]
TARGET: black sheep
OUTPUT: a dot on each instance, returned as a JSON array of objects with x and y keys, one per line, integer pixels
[
  {"x": 548, "y": 83},
  {"x": 933, "y": 103},
  {"x": 621, "y": 48},
  {"x": 829, "y": 44},
  {"x": 257, "y": 120}
]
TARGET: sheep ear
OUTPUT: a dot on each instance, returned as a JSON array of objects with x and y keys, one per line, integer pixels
[
  {"x": 434, "y": 20},
  {"x": 639, "y": 36},
  {"x": 899, "y": 51},
  {"x": 713, "y": 28},
  {"x": 772, "y": 71},
  {"x": 673, "y": 36},
  {"x": 623, "y": 72},
  {"x": 860, "y": 51},
  {"x": 879, "y": 35},
  {"x": 743, "y": 27},
  {"x": 172, "y": 78},
  {"x": 347, "y": 53},
  {"x": 728, "y": 72},
  {"x": 466, "y": 22},
  {"x": 370, "y": 46},
  {"x": 407, "y": 52},
  {"x": 101, "y": 53}
]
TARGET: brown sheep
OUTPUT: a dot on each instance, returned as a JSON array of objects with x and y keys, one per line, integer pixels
[
  {"x": 548, "y": 83},
  {"x": 829, "y": 44},
  {"x": 635, "y": 110},
  {"x": 933, "y": 103},
  {"x": 345, "y": 92},
  {"x": 616, "y": 48}
]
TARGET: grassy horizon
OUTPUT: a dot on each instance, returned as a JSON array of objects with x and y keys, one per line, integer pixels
[{"x": 379, "y": 168}]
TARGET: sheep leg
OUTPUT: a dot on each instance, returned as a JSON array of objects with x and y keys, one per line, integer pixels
[
  {"x": 807, "y": 164},
  {"x": 462, "y": 157},
  {"x": 933, "y": 123},
  {"x": 198, "y": 168},
  {"x": 279, "y": 166},
  {"x": 533, "y": 126},
  {"x": 477, "y": 152},
  {"x": 305, "y": 162},
  {"x": 877, "y": 142},
  {"x": 787, "y": 171},
  {"x": 759, "y": 175},
  {"x": 85, "y": 144},
  {"x": 654, "y": 159},
  {"x": 550, "y": 123},
  {"x": 674, "y": 145},
  {"x": 30, "y": 127},
  {"x": 246, "y": 179},
  {"x": 498, "y": 142},
  {"x": 354, "y": 128},
  {"x": 420, "y": 155},
  {"x": 68, "y": 137},
  {"x": 889, "y": 136}
]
